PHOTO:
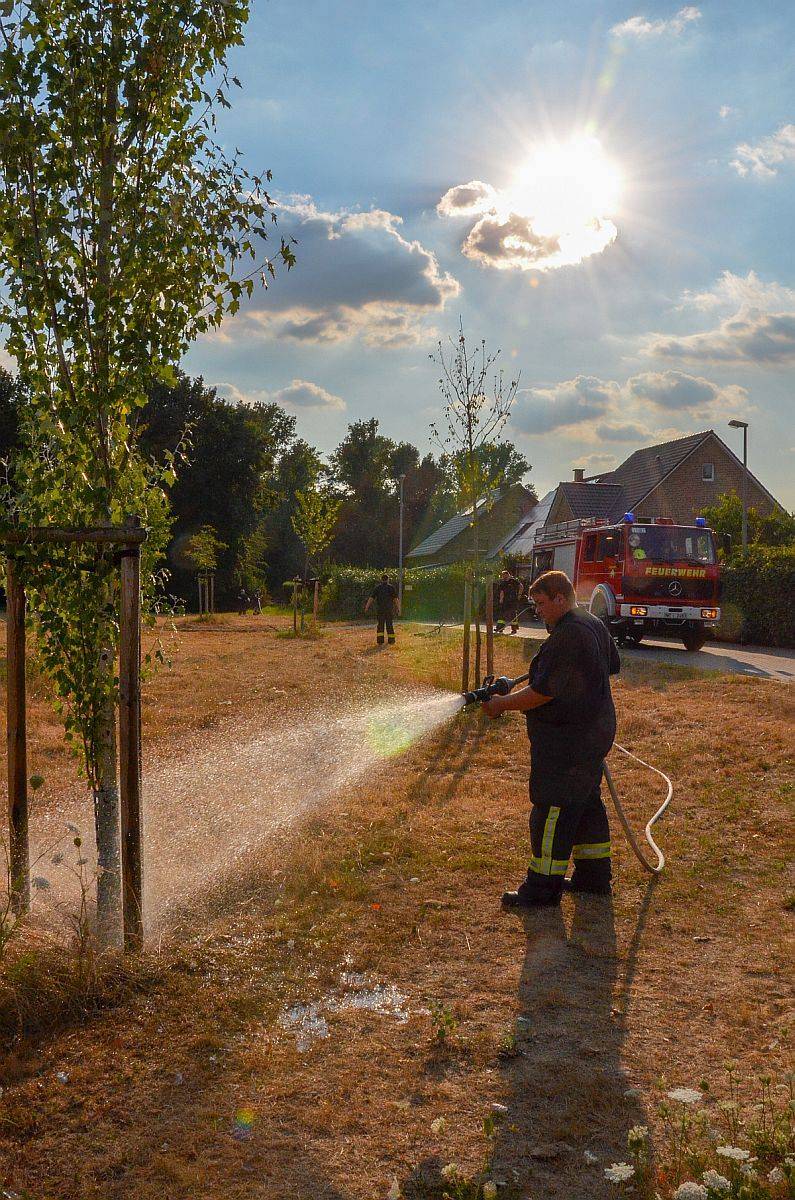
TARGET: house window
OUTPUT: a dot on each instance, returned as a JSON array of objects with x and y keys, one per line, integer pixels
[{"x": 708, "y": 472}]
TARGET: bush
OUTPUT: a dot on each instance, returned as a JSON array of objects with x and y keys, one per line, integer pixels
[
  {"x": 757, "y": 600},
  {"x": 432, "y": 595}
]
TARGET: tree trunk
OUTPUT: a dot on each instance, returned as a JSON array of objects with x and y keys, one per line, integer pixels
[
  {"x": 476, "y": 591},
  {"x": 467, "y": 613},
  {"x": 489, "y": 624}
]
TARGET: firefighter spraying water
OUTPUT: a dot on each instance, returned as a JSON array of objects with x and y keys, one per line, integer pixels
[{"x": 571, "y": 725}]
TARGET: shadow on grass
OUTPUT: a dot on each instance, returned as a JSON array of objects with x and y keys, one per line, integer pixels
[{"x": 567, "y": 1091}]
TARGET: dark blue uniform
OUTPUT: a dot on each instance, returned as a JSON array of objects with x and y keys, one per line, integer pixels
[
  {"x": 569, "y": 739},
  {"x": 385, "y": 595}
]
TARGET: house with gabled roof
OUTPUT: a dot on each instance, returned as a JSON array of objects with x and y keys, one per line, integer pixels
[
  {"x": 676, "y": 479},
  {"x": 497, "y": 515}
]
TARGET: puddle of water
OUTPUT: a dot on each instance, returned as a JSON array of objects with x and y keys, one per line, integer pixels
[
  {"x": 359, "y": 994},
  {"x": 306, "y": 1021}
]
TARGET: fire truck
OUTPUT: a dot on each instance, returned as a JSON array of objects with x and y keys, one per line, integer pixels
[{"x": 638, "y": 576}]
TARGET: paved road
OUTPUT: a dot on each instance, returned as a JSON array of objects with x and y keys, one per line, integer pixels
[{"x": 763, "y": 662}]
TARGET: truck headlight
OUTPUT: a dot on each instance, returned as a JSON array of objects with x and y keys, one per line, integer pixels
[
  {"x": 637, "y": 610},
  {"x": 709, "y": 614}
]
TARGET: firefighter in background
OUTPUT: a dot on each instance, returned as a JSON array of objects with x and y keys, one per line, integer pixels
[
  {"x": 571, "y": 723},
  {"x": 387, "y": 606},
  {"x": 508, "y": 592}
]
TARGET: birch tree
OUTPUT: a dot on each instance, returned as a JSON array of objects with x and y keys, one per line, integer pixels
[
  {"x": 125, "y": 232},
  {"x": 477, "y": 402}
]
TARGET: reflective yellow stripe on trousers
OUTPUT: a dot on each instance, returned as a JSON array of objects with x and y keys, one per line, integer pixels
[
  {"x": 592, "y": 850},
  {"x": 546, "y": 864}
]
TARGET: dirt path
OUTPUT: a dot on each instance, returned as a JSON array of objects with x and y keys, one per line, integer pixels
[{"x": 290, "y": 1044}]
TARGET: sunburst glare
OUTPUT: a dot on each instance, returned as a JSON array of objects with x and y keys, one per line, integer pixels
[{"x": 556, "y": 212}]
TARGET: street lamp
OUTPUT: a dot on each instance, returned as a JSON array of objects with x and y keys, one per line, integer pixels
[
  {"x": 744, "y": 426},
  {"x": 400, "y": 558}
]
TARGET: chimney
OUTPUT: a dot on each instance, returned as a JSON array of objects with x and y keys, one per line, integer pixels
[{"x": 579, "y": 473}]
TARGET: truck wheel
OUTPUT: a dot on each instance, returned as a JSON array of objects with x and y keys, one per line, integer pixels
[
  {"x": 694, "y": 639},
  {"x": 635, "y": 637}
]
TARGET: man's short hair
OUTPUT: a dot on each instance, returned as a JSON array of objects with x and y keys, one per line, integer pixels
[{"x": 552, "y": 584}]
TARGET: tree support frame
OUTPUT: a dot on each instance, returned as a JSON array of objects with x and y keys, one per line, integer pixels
[{"x": 129, "y": 539}]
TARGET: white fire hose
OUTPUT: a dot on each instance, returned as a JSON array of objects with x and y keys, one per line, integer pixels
[{"x": 655, "y": 870}]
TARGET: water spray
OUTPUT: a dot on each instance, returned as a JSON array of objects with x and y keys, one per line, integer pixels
[{"x": 501, "y": 685}]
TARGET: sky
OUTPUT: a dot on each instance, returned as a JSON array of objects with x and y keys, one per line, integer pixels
[{"x": 603, "y": 191}]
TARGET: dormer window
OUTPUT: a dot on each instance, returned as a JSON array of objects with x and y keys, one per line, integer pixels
[{"x": 708, "y": 472}]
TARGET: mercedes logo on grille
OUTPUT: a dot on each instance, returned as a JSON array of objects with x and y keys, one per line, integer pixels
[{"x": 674, "y": 588}]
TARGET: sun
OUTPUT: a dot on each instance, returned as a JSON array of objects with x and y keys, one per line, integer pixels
[{"x": 566, "y": 186}]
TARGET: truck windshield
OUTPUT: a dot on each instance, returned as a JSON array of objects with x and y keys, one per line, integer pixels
[{"x": 667, "y": 543}]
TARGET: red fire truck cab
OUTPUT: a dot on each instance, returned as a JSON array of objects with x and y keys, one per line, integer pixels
[{"x": 638, "y": 576}]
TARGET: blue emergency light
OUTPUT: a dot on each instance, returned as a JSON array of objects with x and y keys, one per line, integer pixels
[
  {"x": 701, "y": 522},
  {"x": 628, "y": 517}
]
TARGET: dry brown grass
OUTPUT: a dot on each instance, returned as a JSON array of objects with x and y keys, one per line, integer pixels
[{"x": 556, "y": 1016}]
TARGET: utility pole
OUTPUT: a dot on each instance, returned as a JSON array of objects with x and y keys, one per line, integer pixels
[
  {"x": 744, "y": 426},
  {"x": 400, "y": 551}
]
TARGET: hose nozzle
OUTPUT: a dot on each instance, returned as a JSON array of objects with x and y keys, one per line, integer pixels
[{"x": 500, "y": 685}]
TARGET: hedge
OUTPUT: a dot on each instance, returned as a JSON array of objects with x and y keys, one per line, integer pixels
[
  {"x": 430, "y": 595},
  {"x": 758, "y": 599}
]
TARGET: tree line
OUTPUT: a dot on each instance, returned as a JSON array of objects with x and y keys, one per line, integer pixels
[{"x": 242, "y": 469}]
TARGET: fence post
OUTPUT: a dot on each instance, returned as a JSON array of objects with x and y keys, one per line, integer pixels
[
  {"x": 130, "y": 747},
  {"x": 19, "y": 858},
  {"x": 489, "y": 624},
  {"x": 467, "y": 618}
]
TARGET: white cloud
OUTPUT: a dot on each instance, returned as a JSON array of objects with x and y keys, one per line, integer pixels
[
  {"x": 607, "y": 411},
  {"x": 467, "y": 199},
  {"x": 510, "y": 243},
  {"x": 675, "y": 390},
  {"x": 554, "y": 214},
  {"x": 299, "y": 393},
  {"x": 750, "y": 336},
  {"x": 735, "y": 291},
  {"x": 642, "y": 28},
  {"x": 356, "y": 277},
  {"x": 594, "y": 463},
  {"x": 764, "y": 159},
  {"x": 757, "y": 324},
  {"x": 725, "y": 111},
  {"x": 572, "y": 402}
]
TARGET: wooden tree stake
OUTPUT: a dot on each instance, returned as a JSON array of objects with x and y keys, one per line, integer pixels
[{"x": 19, "y": 861}]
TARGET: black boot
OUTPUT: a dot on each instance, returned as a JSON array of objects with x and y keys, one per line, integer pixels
[
  {"x": 588, "y": 884},
  {"x": 539, "y": 892},
  {"x": 517, "y": 900}
]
